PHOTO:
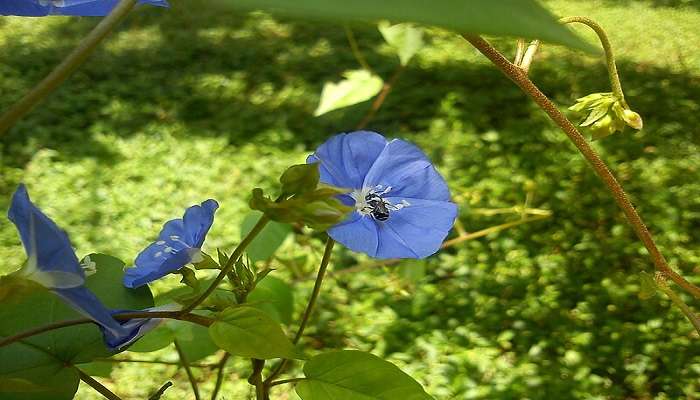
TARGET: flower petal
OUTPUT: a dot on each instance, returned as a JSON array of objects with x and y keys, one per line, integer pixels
[
  {"x": 87, "y": 304},
  {"x": 47, "y": 246},
  {"x": 357, "y": 233},
  {"x": 136, "y": 328},
  {"x": 197, "y": 222},
  {"x": 421, "y": 227},
  {"x": 148, "y": 270},
  {"x": 95, "y": 8},
  {"x": 23, "y": 8},
  {"x": 345, "y": 158},
  {"x": 408, "y": 171}
]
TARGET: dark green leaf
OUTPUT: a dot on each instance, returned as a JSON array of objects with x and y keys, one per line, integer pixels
[
  {"x": 356, "y": 375},
  {"x": 268, "y": 240},
  {"x": 275, "y": 297},
  {"x": 248, "y": 332},
  {"x": 97, "y": 368},
  {"x": 519, "y": 18},
  {"x": 45, "y": 359}
]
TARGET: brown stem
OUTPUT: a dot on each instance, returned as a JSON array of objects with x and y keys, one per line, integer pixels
[
  {"x": 521, "y": 79},
  {"x": 256, "y": 379},
  {"x": 379, "y": 100},
  {"x": 197, "y": 319},
  {"x": 188, "y": 370},
  {"x": 97, "y": 386},
  {"x": 220, "y": 375}
]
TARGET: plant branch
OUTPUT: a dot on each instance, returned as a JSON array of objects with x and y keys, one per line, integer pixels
[
  {"x": 159, "y": 362},
  {"x": 256, "y": 379},
  {"x": 188, "y": 370},
  {"x": 607, "y": 47},
  {"x": 159, "y": 393},
  {"x": 220, "y": 375},
  {"x": 379, "y": 100},
  {"x": 661, "y": 284},
  {"x": 309, "y": 306},
  {"x": 601, "y": 169},
  {"x": 66, "y": 67},
  {"x": 100, "y": 388},
  {"x": 197, "y": 319},
  {"x": 237, "y": 253},
  {"x": 356, "y": 49},
  {"x": 283, "y": 381}
]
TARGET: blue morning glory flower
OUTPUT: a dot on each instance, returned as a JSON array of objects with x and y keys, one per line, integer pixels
[
  {"x": 53, "y": 264},
  {"x": 86, "y": 8},
  {"x": 179, "y": 243},
  {"x": 402, "y": 204}
]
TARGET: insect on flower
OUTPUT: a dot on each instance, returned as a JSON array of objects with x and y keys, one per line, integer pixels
[
  {"x": 402, "y": 204},
  {"x": 85, "y": 8}
]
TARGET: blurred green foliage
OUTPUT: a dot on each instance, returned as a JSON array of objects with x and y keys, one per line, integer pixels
[{"x": 199, "y": 101}]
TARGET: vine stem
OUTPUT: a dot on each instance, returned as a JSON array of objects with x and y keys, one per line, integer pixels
[
  {"x": 356, "y": 49},
  {"x": 220, "y": 375},
  {"x": 607, "y": 47},
  {"x": 379, "y": 100},
  {"x": 100, "y": 388},
  {"x": 309, "y": 307},
  {"x": 197, "y": 319},
  {"x": 230, "y": 263},
  {"x": 661, "y": 284},
  {"x": 520, "y": 78},
  {"x": 188, "y": 370},
  {"x": 283, "y": 381},
  {"x": 67, "y": 66}
]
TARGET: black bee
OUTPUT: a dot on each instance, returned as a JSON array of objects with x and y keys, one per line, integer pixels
[{"x": 380, "y": 212}]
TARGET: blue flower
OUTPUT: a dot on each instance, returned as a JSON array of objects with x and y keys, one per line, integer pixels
[
  {"x": 53, "y": 264},
  {"x": 402, "y": 204},
  {"x": 86, "y": 8},
  {"x": 179, "y": 243}
]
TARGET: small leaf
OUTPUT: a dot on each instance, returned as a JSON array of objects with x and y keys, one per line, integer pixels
[
  {"x": 157, "y": 339},
  {"x": 275, "y": 297},
  {"x": 648, "y": 286},
  {"x": 207, "y": 263},
  {"x": 248, "y": 332},
  {"x": 268, "y": 240},
  {"x": 358, "y": 86},
  {"x": 356, "y": 375},
  {"x": 189, "y": 278},
  {"x": 406, "y": 39},
  {"x": 98, "y": 368}
]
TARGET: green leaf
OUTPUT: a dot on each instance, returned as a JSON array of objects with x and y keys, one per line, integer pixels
[
  {"x": 248, "y": 332},
  {"x": 275, "y": 297},
  {"x": 358, "y": 86},
  {"x": 157, "y": 339},
  {"x": 517, "y": 18},
  {"x": 97, "y": 368},
  {"x": 194, "y": 340},
  {"x": 268, "y": 240},
  {"x": 356, "y": 375},
  {"x": 648, "y": 286},
  {"x": 406, "y": 39},
  {"x": 46, "y": 359}
]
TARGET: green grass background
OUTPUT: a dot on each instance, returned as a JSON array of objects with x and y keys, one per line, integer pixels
[{"x": 200, "y": 101}]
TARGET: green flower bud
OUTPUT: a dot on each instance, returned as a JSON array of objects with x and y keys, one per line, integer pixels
[
  {"x": 632, "y": 119},
  {"x": 300, "y": 178}
]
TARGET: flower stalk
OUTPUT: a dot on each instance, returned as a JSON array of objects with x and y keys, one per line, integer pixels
[{"x": 521, "y": 80}]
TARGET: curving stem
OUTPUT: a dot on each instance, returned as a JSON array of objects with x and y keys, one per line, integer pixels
[
  {"x": 609, "y": 57},
  {"x": 309, "y": 308},
  {"x": 520, "y": 78}
]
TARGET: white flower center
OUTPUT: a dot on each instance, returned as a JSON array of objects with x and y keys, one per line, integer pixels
[
  {"x": 89, "y": 266},
  {"x": 369, "y": 202}
]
